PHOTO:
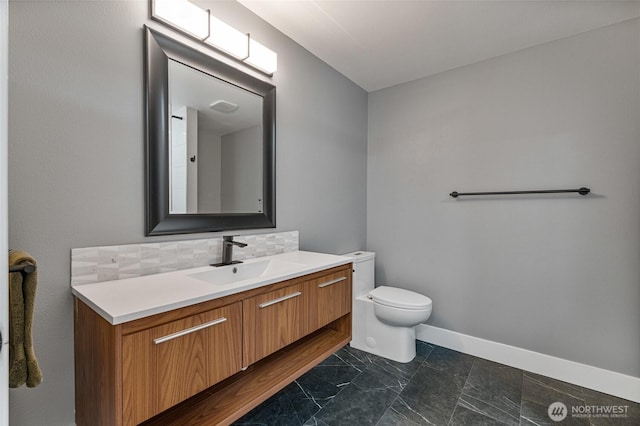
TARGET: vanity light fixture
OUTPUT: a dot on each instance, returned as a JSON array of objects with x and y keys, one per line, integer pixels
[
  {"x": 262, "y": 57},
  {"x": 200, "y": 24}
]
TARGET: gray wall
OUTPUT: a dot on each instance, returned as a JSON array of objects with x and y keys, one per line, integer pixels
[
  {"x": 209, "y": 153},
  {"x": 557, "y": 275},
  {"x": 76, "y": 152},
  {"x": 242, "y": 159}
]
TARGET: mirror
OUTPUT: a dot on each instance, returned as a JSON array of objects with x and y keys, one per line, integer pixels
[
  {"x": 210, "y": 140},
  {"x": 218, "y": 125}
]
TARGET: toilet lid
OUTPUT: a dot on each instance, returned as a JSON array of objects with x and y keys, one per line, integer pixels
[{"x": 399, "y": 298}]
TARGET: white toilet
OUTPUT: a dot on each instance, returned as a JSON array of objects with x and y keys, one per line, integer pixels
[{"x": 384, "y": 318}]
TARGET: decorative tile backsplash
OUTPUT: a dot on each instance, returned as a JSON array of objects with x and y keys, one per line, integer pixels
[{"x": 95, "y": 264}]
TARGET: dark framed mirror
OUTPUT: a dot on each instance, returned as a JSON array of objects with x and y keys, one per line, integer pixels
[{"x": 210, "y": 142}]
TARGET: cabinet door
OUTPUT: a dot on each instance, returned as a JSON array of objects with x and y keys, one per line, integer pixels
[
  {"x": 333, "y": 296},
  {"x": 273, "y": 320},
  {"x": 167, "y": 364}
]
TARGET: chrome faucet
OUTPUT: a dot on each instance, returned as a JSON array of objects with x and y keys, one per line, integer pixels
[{"x": 227, "y": 251}]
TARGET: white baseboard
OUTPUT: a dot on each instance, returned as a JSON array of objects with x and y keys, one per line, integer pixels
[{"x": 610, "y": 382}]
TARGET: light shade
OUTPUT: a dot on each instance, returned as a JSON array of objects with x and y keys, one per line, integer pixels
[
  {"x": 228, "y": 39},
  {"x": 186, "y": 16},
  {"x": 262, "y": 57},
  {"x": 199, "y": 23}
]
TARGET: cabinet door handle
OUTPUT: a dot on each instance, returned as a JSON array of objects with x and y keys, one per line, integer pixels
[
  {"x": 279, "y": 299},
  {"x": 328, "y": 283},
  {"x": 188, "y": 330}
]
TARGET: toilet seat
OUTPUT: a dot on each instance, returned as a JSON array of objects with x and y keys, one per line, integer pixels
[{"x": 399, "y": 298}]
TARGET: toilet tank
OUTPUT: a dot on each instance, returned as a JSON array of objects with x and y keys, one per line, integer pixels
[{"x": 363, "y": 271}]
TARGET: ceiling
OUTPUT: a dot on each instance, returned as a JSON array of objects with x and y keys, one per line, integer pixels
[
  {"x": 381, "y": 43},
  {"x": 196, "y": 89}
]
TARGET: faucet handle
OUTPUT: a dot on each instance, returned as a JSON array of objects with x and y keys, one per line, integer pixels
[{"x": 229, "y": 240}]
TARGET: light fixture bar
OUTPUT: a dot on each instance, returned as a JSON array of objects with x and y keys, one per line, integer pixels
[
  {"x": 201, "y": 24},
  {"x": 208, "y": 26}
]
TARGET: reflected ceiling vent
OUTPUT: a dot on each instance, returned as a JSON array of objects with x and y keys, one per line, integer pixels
[{"x": 223, "y": 106}]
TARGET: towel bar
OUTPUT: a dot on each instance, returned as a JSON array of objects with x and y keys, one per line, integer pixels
[
  {"x": 581, "y": 191},
  {"x": 25, "y": 268}
]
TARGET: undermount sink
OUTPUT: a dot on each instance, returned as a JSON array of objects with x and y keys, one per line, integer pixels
[{"x": 245, "y": 271}]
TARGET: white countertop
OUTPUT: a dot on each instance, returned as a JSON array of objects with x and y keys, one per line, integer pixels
[{"x": 129, "y": 299}]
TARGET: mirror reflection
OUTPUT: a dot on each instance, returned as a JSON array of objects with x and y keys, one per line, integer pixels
[{"x": 216, "y": 145}]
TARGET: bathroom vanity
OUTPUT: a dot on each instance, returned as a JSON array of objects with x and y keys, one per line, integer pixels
[{"x": 206, "y": 345}]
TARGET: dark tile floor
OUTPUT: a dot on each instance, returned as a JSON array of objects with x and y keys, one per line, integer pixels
[{"x": 439, "y": 387}]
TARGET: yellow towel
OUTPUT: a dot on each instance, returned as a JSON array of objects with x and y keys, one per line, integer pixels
[{"x": 23, "y": 365}]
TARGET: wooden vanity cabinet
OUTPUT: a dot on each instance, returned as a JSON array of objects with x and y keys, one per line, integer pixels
[
  {"x": 332, "y": 296},
  {"x": 273, "y": 320},
  {"x": 164, "y": 365},
  {"x": 209, "y": 363}
]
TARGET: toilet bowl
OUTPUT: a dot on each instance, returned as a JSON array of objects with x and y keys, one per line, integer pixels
[
  {"x": 384, "y": 318},
  {"x": 399, "y": 307}
]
